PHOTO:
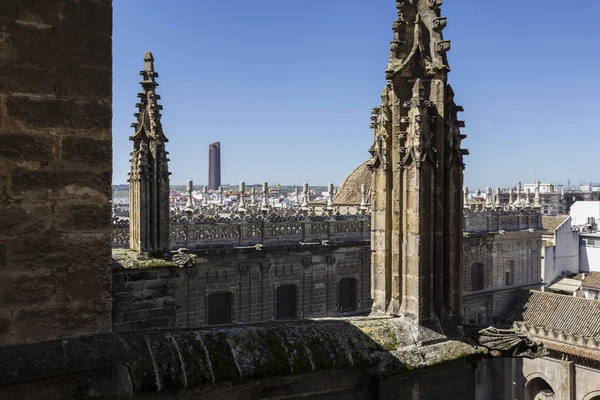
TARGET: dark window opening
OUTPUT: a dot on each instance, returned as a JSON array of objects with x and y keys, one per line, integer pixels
[
  {"x": 509, "y": 273},
  {"x": 286, "y": 302},
  {"x": 477, "y": 277},
  {"x": 219, "y": 308},
  {"x": 347, "y": 295}
]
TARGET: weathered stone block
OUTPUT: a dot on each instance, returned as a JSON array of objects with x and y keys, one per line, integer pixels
[
  {"x": 59, "y": 321},
  {"x": 23, "y": 147},
  {"x": 24, "y": 288},
  {"x": 88, "y": 16},
  {"x": 85, "y": 48},
  {"x": 46, "y": 183},
  {"x": 84, "y": 217},
  {"x": 26, "y": 45},
  {"x": 39, "y": 12},
  {"x": 66, "y": 115},
  {"x": 84, "y": 284},
  {"x": 86, "y": 150},
  {"x": 18, "y": 79},
  {"x": 17, "y": 220},
  {"x": 54, "y": 250},
  {"x": 82, "y": 83}
]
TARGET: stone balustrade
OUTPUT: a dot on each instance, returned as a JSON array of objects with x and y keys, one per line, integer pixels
[
  {"x": 495, "y": 221},
  {"x": 224, "y": 232}
]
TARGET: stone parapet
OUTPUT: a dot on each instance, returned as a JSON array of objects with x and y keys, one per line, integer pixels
[
  {"x": 495, "y": 221},
  {"x": 198, "y": 234}
]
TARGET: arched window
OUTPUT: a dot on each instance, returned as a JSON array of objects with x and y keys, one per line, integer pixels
[
  {"x": 477, "y": 277},
  {"x": 538, "y": 389}
]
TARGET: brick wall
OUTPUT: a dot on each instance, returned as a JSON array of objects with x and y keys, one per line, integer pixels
[
  {"x": 55, "y": 168},
  {"x": 168, "y": 297}
]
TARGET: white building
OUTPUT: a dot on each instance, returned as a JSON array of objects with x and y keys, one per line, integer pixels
[
  {"x": 560, "y": 251},
  {"x": 582, "y": 213}
]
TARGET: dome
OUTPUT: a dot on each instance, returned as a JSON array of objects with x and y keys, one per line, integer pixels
[{"x": 348, "y": 194}]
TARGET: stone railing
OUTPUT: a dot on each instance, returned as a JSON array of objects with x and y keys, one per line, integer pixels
[
  {"x": 495, "y": 221},
  {"x": 220, "y": 232},
  {"x": 120, "y": 233}
]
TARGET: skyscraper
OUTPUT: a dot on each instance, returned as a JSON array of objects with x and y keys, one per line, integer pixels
[{"x": 214, "y": 166}]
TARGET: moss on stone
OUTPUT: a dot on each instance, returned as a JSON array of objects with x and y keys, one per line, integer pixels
[
  {"x": 379, "y": 347},
  {"x": 132, "y": 259}
]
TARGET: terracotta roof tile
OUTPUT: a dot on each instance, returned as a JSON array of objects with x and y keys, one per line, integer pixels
[
  {"x": 592, "y": 280},
  {"x": 552, "y": 222},
  {"x": 567, "y": 314}
]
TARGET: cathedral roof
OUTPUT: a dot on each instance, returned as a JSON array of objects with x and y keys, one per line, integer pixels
[
  {"x": 556, "y": 312},
  {"x": 349, "y": 191}
]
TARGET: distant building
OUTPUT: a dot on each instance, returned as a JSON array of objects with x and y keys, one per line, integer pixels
[
  {"x": 501, "y": 253},
  {"x": 560, "y": 251},
  {"x": 214, "y": 166}
]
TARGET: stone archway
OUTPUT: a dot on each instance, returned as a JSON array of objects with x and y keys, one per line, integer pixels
[
  {"x": 538, "y": 389},
  {"x": 595, "y": 395}
]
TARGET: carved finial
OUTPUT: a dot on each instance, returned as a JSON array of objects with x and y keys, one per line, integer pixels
[
  {"x": 466, "y": 197},
  {"x": 536, "y": 196},
  {"x": 242, "y": 203},
  {"x": 265, "y": 196},
  {"x": 489, "y": 197},
  {"x": 498, "y": 204},
  {"x": 363, "y": 196},
  {"x": 189, "y": 205},
  {"x": 296, "y": 198},
  {"x": 305, "y": 196},
  {"x": 205, "y": 195},
  {"x": 330, "y": 194},
  {"x": 148, "y": 62}
]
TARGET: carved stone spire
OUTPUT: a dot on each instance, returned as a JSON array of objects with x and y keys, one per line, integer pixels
[
  {"x": 149, "y": 177},
  {"x": 498, "y": 204},
  {"x": 305, "y": 196},
  {"x": 189, "y": 205},
  {"x": 242, "y": 201},
  {"x": 417, "y": 161},
  {"x": 265, "y": 197},
  {"x": 536, "y": 197}
]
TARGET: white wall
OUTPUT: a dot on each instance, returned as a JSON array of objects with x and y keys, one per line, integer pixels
[
  {"x": 589, "y": 259},
  {"x": 563, "y": 256},
  {"x": 581, "y": 210}
]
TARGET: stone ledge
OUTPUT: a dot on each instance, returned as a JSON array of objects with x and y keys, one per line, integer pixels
[
  {"x": 172, "y": 360},
  {"x": 61, "y": 357}
]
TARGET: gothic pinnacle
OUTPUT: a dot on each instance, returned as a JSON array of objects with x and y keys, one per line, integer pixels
[{"x": 148, "y": 62}]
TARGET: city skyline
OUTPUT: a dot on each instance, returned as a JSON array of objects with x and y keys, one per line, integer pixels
[{"x": 300, "y": 109}]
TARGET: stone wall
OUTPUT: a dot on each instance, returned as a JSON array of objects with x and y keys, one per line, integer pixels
[
  {"x": 517, "y": 253},
  {"x": 168, "y": 297},
  {"x": 55, "y": 169},
  {"x": 350, "y": 359}
]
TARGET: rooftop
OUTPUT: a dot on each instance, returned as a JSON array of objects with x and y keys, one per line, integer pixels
[
  {"x": 551, "y": 223},
  {"x": 556, "y": 312},
  {"x": 591, "y": 280}
]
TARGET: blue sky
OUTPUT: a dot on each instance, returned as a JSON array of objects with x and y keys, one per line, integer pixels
[{"x": 287, "y": 86}]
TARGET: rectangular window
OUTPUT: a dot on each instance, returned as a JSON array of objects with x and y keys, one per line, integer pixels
[
  {"x": 477, "y": 278},
  {"x": 509, "y": 273},
  {"x": 286, "y": 302},
  {"x": 219, "y": 308},
  {"x": 347, "y": 295}
]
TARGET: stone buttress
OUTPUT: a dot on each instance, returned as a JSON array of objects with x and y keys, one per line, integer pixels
[
  {"x": 149, "y": 177},
  {"x": 418, "y": 174}
]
